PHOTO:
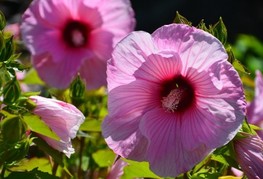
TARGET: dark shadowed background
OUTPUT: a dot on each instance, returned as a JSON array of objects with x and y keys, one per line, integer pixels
[{"x": 240, "y": 16}]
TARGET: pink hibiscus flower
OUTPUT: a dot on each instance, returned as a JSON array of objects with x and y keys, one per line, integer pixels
[
  {"x": 66, "y": 37},
  {"x": 255, "y": 108},
  {"x": 249, "y": 151},
  {"x": 63, "y": 118},
  {"x": 173, "y": 98}
]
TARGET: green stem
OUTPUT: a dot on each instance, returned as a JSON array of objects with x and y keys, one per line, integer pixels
[
  {"x": 82, "y": 143},
  {"x": 3, "y": 172},
  {"x": 54, "y": 168}
]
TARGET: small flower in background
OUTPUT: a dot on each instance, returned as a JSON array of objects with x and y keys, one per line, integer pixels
[
  {"x": 70, "y": 36},
  {"x": 173, "y": 98},
  {"x": 249, "y": 152},
  {"x": 63, "y": 118},
  {"x": 255, "y": 108},
  {"x": 14, "y": 29}
]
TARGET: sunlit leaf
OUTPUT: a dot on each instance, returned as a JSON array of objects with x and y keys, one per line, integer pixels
[
  {"x": 225, "y": 155},
  {"x": 138, "y": 169},
  {"x": 103, "y": 158},
  {"x": 179, "y": 19},
  {"x": 219, "y": 31},
  {"x": 238, "y": 66},
  {"x": 202, "y": 26},
  {"x": 35, "y": 124},
  {"x": 201, "y": 164},
  {"x": 43, "y": 165},
  {"x": 91, "y": 125},
  {"x": 33, "y": 78}
]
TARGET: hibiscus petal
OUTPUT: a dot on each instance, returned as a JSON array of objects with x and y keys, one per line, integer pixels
[
  {"x": 65, "y": 147},
  {"x": 102, "y": 44},
  {"x": 55, "y": 74},
  {"x": 197, "y": 49},
  {"x": 135, "y": 97},
  {"x": 128, "y": 141},
  {"x": 250, "y": 155},
  {"x": 93, "y": 71},
  {"x": 119, "y": 17},
  {"x": 255, "y": 108},
  {"x": 159, "y": 67},
  {"x": 209, "y": 126},
  {"x": 166, "y": 153},
  {"x": 125, "y": 61}
]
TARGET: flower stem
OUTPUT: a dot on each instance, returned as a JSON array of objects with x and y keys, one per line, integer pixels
[{"x": 82, "y": 143}]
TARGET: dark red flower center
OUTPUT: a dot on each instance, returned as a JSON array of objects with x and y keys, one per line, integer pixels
[
  {"x": 75, "y": 34},
  {"x": 177, "y": 94}
]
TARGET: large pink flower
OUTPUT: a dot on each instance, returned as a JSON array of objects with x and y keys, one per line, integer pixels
[
  {"x": 255, "y": 108},
  {"x": 63, "y": 118},
  {"x": 173, "y": 98},
  {"x": 66, "y": 37},
  {"x": 249, "y": 151}
]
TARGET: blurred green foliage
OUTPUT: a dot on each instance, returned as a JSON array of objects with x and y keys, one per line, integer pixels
[{"x": 249, "y": 50}]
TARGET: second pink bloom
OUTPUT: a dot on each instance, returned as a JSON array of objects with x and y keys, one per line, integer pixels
[{"x": 66, "y": 37}]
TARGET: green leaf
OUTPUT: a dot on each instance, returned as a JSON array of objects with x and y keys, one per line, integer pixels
[
  {"x": 225, "y": 155},
  {"x": 34, "y": 174},
  {"x": 219, "y": 31},
  {"x": 104, "y": 157},
  {"x": 56, "y": 155},
  {"x": 220, "y": 158},
  {"x": 254, "y": 127},
  {"x": 11, "y": 153},
  {"x": 11, "y": 91},
  {"x": 2, "y": 21},
  {"x": 43, "y": 165},
  {"x": 2, "y": 43},
  {"x": 6, "y": 127},
  {"x": 32, "y": 78},
  {"x": 35, "y": 124},
  {"x": 138, "y": 169},
  {"x": 246, "y": 127},
  {"x": 239, "y": 67},
  {"x": 8, "y": 49},
  {"x": 179, "y": 19},
  {"x": 91, "y": 125},
  {"x": 77, "y": 88},
  {"x": 202, "y": 26},
  {"x": 201, "y": 164}
]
